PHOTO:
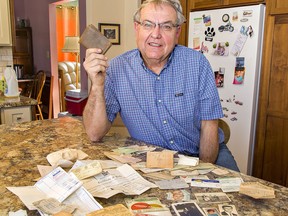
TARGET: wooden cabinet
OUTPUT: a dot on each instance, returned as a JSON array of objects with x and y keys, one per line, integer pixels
[
  {"x": 23, "y": 50},
  {"x": 209, "y": 4},
  {"x": 196, "y": 5},
  {"x": 15, "y": 115},
  {"x": 5, "y": 26},
  {"x": 204, "y": 4},
  {"x": 244, "y": 2},
  {"x": 271, "y": 149},
  {"x": 182, "y": 38}
]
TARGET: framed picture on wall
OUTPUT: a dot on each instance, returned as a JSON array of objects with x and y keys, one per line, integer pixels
[{"x": 111, "y": 31}]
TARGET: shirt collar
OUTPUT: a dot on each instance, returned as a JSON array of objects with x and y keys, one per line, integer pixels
[{"x": 165, "y": 66}]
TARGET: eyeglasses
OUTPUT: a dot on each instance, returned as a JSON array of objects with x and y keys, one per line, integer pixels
[{"x": 149, "y": 26}]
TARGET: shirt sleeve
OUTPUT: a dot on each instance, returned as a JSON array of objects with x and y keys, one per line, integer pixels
[{"x": 112, "y": 104}]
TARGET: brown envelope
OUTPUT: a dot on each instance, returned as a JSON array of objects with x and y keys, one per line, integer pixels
[
  {"x": 93, "y": 38},
  {"x": 162, "y": 159}
]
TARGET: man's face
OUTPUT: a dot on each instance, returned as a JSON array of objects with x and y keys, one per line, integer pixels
[{"x": 156, "y": 44}]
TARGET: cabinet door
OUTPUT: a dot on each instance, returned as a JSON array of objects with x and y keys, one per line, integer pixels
[
  {"x": 15, "y": 115},
  {"x": 205, "y": 4},
  {"x": 23, "y": 41},
  {"x": 5, "y": 30},
  {"x": 271, "y": 149},
  {"x": 244, "y": 2}
]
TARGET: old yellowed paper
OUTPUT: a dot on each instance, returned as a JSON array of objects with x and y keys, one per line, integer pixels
[
  {"x": 88, "y": 170},
  {"x": 257, "y": 190},
  {"x": 65, "y": 157},
  {"x": 162, "y": 159},
  {"x": 119, "y": 210},
  {"x": 52, "y": 206}
]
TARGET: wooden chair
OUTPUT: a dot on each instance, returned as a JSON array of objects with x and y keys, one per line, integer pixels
[
  {"x": 36, "y": 93},
  {"x": 226, "y": 129}
]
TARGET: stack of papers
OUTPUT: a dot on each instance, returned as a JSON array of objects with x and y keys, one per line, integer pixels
[{"x": 63, "y": 187}]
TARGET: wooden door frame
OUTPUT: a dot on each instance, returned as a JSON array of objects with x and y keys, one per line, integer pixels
[{"x": 259, "y": 148}]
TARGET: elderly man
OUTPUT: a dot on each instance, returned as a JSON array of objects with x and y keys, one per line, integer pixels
[{"x": 165, "y": 93}]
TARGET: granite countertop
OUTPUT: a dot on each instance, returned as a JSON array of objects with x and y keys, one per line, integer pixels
[
  {"x": 7, "y": 102},
  {"x": 24, "y": 146}
]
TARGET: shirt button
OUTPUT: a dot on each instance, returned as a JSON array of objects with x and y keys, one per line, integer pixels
[
  {"x": 165, "y": 122},
  {"x": 171, "y": 141},
  {"x": 158, "y": 78},
  {"x": 160, "y": 101}
]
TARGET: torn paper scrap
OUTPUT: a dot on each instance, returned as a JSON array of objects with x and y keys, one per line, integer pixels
[
  {"x": 256, "y": 190},
  {"x": 20, "y": 212},
  {"x": 52, "y": 206},
  {"x": 65, "y": 157},
  {"x": 87, "y": 170},
  {"x": 118, "y": 209},
  {"x": 186, "y": 160}
]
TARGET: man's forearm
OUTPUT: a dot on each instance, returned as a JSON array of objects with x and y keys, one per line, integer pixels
[
  {"x": 95, "y": 118},
  {"x": 209, "y": 145}
]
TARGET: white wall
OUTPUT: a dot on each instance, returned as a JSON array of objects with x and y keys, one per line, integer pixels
[{"x": 118, "y": 12}]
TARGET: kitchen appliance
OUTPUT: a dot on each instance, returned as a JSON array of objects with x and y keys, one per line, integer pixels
[
  {"x": 11, "y": 82},
  {"x": 231, "y": 39},
  {"x": 19, "y": 70}
]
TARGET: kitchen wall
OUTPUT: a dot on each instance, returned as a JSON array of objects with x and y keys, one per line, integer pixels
[
  {"x": 100, "y": 11},
  {"x": 97, "y": 11}
]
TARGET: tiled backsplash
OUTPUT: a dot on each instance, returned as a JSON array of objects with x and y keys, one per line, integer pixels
[{"x": 6, "y": 58}]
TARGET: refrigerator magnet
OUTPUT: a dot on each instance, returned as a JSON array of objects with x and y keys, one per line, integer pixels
[
  {"x": 221, "y": 48},
  {"x": 247, "y": 13},
  {"x": 235, "y": 16},
  {"x": 207, "y": 20},
  {"x": 219, "y": 78},
  {"x": 204, "y": 48},
  {"x": 209, "y": 34},
  {"x": 225, "y": 18},
  {"x": 239, "y": 75},
  {"x": 196, "y": 43}
]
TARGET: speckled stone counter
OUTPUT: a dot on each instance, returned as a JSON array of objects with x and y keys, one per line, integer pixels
[
  {"x": 6, "y": 102},
  {"x": 26, "y": 145}
]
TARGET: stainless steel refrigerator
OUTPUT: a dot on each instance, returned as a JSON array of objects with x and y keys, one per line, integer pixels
[{"x": 231, "y": 39}]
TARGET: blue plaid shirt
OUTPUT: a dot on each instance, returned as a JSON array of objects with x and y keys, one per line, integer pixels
[{"x": 165, "y": 110}]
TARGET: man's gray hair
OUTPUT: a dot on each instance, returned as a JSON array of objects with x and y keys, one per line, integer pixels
[{"x": 173, "y": 3}]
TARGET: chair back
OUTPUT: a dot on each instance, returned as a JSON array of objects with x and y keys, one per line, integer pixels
[
  {"x": 39, "y": 81},
  {"x": 225, "y": 128}
]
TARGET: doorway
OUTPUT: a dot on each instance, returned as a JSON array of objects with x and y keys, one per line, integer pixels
[{"x": 64, "y": 20}]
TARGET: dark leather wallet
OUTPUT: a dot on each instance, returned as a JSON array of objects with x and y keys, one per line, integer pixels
[{"x": 93, "y": 38}]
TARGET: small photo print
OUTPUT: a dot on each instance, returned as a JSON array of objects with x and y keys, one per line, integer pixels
[
  {"x": 187, "y": 208},
  {"x": 239, "y": 75},
  {"x": 240, "y": 62},
  {"x": 228, "y": 210},
  {"x": 219, "y": 77},
  {"x": 179, "y": 196},
  {"x": 221, "y": 49},
  {"x": 219, "y": 197},
  {"x": 196, "y": 43},
  {"x": 211, "y": 211}
]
